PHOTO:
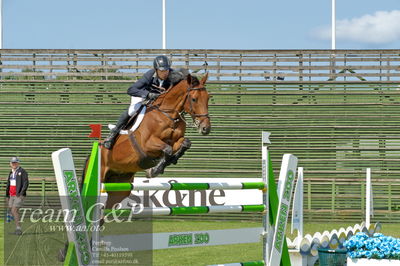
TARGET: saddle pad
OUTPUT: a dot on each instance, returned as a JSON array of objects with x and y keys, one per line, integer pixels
[{"x": 137, "y": 123}]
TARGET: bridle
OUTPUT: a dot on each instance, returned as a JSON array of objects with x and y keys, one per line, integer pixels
[
  {"x": 182, "y": 113},
  {"x": 189, "y": 98}
]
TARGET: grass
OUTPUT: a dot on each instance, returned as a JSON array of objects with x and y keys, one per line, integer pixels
[
  {"x": 2, "y": 241},
  {"x": 232, "y": 253},
  {"x": 212, "y": 254}
]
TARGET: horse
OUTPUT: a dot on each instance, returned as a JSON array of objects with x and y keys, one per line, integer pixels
[{"x": 160, "y": 139}]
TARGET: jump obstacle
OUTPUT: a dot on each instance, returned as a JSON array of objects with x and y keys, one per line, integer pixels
[{"x": 272, "y": 233}]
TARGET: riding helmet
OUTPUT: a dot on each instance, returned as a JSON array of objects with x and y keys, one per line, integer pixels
[{"x": 162, "y": 63}]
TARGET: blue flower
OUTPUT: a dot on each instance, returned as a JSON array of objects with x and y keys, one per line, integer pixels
[
  {"x": 359, "y": 243},
  {"x": 368, "y": 254},
  {"x": 349, "y": 244},
  {"x": 369, "y": 244},
  {"x": 352, "y": 254},
  {"x": 378, "y": 246}
]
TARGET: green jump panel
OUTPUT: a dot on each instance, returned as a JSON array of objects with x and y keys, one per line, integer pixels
[
  {"x": 71, "y": 259},
  {"x": 117, "y": 186},
  {"x": 253, "y": 185},
  {"x": 109, "y": 187},
  {"x": 253, "y": 208},
  {"x": 273, "y": 211},
  {"x": 189, "y": 210},
  {"x": 90, "y": 189},
  {"x": 190, "y": 186}
]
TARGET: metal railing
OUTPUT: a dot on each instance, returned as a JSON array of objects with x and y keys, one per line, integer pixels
[{"x": 222, "y": 65}]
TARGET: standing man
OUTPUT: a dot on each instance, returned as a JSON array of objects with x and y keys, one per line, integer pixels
[{"x": 17, "y": 184}]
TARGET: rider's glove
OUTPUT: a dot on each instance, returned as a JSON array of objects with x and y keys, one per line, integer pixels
[{"x": 152, "y": 95}]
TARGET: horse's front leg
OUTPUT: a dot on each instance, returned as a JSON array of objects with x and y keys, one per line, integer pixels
[
  {"x": 166, "y": 156},
  {"x": 179, "y": 148}
]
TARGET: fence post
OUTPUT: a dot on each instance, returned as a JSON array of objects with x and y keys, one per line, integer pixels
[
  {"x": 43, "y": 192},
  {"x": 333, "y": 192}
]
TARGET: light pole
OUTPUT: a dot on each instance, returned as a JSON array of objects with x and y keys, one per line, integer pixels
[
  {"x": 1, "y": 24},
  {"x": 333, "y": 24},
  {"x": 164, "y": 34}
]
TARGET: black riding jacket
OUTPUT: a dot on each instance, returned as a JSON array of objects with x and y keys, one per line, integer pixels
[{"x": 143, "y": 86}]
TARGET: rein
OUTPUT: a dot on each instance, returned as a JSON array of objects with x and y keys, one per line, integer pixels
[{"x": 180, "y": 114}]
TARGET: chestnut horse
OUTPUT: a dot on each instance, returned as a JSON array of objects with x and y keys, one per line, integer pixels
[{"x": 159, "y": 140}]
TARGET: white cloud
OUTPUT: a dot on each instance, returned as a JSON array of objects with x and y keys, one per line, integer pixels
[{"x": 378, "y": 28}]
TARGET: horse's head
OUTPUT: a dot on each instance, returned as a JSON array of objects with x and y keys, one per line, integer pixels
[{"x": 197, "y": 103}]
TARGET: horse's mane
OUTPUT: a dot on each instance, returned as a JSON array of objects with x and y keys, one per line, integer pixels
[
  {"x": 195, "y": 81},
  {"x": 180, "y": 75}
]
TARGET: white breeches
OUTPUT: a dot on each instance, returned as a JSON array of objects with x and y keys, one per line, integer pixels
[{"x": 136, "y": 102}]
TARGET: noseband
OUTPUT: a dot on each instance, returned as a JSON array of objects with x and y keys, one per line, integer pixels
[{"x": 189, "y": 98}]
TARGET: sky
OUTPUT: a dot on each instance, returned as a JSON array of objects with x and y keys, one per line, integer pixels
[{"x": 206, "y": 24}]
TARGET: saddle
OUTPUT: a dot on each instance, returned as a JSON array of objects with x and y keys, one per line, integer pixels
[{"x": 133, "y": 123}]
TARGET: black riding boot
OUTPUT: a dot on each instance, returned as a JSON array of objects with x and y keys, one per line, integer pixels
[{"x": 109, "y": 141}]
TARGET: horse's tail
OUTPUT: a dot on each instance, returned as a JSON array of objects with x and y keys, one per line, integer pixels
[{"x": 84, "y": 172}]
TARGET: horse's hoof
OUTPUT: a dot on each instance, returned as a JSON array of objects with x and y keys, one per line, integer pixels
[
  {"x": 149, "y": 173},
  {"x": 186, "y": 143},
  {"x": 108, "y": 144},
  {"x": 154, "y": 172}
]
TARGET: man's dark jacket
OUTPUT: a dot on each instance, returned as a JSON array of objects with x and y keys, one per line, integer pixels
[
  {"x": 22, "y": 182},
  {"x": 143, "y": 86}
]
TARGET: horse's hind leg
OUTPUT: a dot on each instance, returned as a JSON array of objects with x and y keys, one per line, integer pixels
[{"x": 116, "y": 197}]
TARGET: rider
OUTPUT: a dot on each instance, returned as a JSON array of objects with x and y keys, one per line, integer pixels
[{"x": 149, "y": 87}]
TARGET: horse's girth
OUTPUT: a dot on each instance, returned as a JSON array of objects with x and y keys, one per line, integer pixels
[{"x": 136, "y": 146}]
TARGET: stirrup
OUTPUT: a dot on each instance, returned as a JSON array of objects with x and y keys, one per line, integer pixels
[
  {"x": 110, "y": 141},
  {"x": 108, "y": 144}
]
